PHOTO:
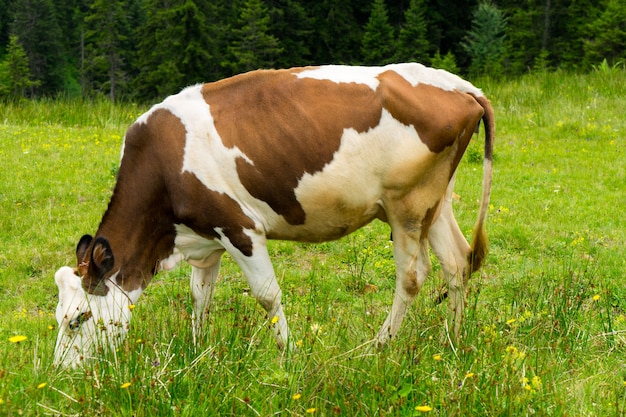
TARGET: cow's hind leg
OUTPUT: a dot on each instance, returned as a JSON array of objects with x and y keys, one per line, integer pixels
[
  {"x": 412, "y": 268},
  {"x": 202, "y": 288},
  {"x": 452, "y": 250}
]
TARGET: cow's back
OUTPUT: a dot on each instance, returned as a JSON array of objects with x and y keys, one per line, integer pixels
[{"x": 312, "y": 153}]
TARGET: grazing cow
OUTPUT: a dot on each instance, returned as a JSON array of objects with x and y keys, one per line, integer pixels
[{"x": 305, "y": 154}]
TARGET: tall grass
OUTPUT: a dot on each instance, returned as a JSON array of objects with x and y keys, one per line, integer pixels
[
  {"x": 545, "y": 325},
  {"x": 100, "y": 113}
]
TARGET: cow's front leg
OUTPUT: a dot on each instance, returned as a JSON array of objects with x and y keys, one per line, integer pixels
[
  {"x": 202, "y": 288},
  {"x": 412, "y": 268},
  {"x": 263, "y": 285}
]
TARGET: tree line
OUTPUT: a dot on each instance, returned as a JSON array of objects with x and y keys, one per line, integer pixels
[{"x": 146, "y": 49}]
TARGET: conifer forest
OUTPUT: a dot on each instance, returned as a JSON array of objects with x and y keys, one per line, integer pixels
[{"x": 143, "y": 50}]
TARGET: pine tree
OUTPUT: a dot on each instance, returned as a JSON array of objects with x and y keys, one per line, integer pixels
[
  {"x": 607, "y": 36},
  {"x": 70, "y": 18},
  {"x": 188, "y": 50},
  {"x": 34, "y": 22},
  {"x": 253, "y": 46},
  {"x": 108, "y": 30},
  {"x": 377, "y": 46},
  {"x": 523, "y": 43},
  {"x": 195, "y": 35},
  {"x": 337, "y": 33},
  {"x": 484, "y": 42},
  {"x": 15, "y": 77},
  {"x": 570, "y": 30},
  {"x": 413, "y": 44},
  {"x": 4, "y": 25},
  {"x": 446, "y": 62},
  {"x": 448, "y": 21},
  {"x": 158, "y": 72},
  {"x": 290, "y": 24}
]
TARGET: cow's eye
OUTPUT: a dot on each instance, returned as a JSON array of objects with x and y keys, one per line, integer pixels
[{"x": 76, "y": 322}]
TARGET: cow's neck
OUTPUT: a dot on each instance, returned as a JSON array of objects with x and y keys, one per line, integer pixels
[{"x": 140, "y": 229}]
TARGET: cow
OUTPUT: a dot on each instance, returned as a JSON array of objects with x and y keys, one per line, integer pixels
[{"x": 304, "y": 154}]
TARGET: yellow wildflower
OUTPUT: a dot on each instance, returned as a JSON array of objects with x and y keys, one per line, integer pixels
[
  {"x": 490, "y": 331},
  {"x": 596, "y": 297},
  {"x": 296, "y": 396},
  {"x": 125, "y": 385},
  {"x": 310, "y": 410},
  {"x": 536, "y": 383},
  {"x": 17, "y": 339},
  {"x": 423, "y": 408},
  {"x": 131, "y": 306},
  {"x": 43, "y": 384},
  {"x": 437, "y": 357},
  {"x": 274, "y": 319}
]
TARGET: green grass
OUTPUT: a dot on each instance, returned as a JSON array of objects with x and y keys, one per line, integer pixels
[{"x": 545, "y": 328}]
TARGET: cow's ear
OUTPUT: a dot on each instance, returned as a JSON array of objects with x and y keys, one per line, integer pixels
[
  {"x": 102, "y": 260},
  {"x": 81, "y": 248}
]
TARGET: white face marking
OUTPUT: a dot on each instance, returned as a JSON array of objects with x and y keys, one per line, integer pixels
[{"x": 87, "y": 321}]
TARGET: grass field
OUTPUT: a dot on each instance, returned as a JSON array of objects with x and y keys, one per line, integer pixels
[{"x": 545, "y": 328}]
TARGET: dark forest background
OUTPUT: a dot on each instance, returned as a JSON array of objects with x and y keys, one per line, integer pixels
[{"x": 145, "y": 49}]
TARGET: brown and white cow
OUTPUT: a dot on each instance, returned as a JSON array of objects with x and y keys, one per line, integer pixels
[{"x": 304, "y": 154}]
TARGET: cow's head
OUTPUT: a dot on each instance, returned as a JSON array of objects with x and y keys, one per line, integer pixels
[{"x": 94, "y": 320}]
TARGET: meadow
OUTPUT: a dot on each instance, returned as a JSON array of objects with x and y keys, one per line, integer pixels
[{"x": 544, "y": 331}]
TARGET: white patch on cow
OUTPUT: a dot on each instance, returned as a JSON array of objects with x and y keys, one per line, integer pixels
[
  {"x": 414, "y": 73},
  {"x": 203, "y": 142},
  {"x": 207, "y": 158},
  {"x": 195, "y": 249},
  {"x": 171, "y": 261},
  {"x": 205, "y": 155},
  {"x": 344, "y": 74},
  {"x": 87, "y": 321},
  {"x": 348, "y": 192},
  {"x": 419, "y": 74}
]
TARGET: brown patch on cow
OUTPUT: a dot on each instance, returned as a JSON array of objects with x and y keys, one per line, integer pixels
[
  {"x": 138, "y": 223},
  {"x": 205, "y": 211},
  {"x": 427, "y": 221},
  {"x": 439, "y": 116},
  {"x": 192, "y": 203},
  {"x": 287, "y": 126},
  {"x": 151, "y": 196},
  {"x": 479, "y": 249}
]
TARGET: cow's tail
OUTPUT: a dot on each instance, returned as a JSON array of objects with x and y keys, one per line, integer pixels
[{"x": 480, "y": 245}]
